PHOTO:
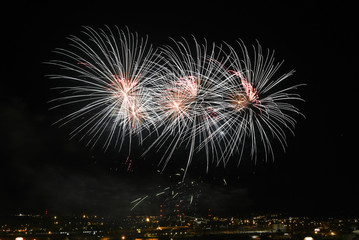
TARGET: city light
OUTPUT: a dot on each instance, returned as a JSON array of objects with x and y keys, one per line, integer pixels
[{"x": 155, "y": 227}]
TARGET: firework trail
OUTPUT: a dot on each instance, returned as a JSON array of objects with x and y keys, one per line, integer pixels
[
  {"x": 181, "y": 193},
  {"x": 204, "y": 98},
  {"x": 111, "y": 76}
]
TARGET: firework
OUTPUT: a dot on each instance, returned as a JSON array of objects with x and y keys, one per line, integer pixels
[
  {"x": 189, "y": 100},
  {"x": 258, "y": 108},
  {"x": 207, "y": 99},
  {"x": 111, "y": 74}
]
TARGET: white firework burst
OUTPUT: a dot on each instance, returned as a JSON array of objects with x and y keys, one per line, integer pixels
[
  {"x": 189, "y": 98},
  {"x": 258, "y": 106},
  {"x": 111, "y": 74}
]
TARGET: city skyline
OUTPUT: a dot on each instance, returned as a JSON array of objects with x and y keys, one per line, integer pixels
[{"x": 275, "y": 226}]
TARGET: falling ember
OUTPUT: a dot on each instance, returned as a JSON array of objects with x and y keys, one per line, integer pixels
[
  {"x": 128, "y": 162},
  {"x": 85, "y": 64}
]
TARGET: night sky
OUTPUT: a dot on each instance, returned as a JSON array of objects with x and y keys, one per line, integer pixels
[{"x": 317, "y": 175}]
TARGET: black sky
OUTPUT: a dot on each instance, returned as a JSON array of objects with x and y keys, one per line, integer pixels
[{"x": 42, "y": 169}]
